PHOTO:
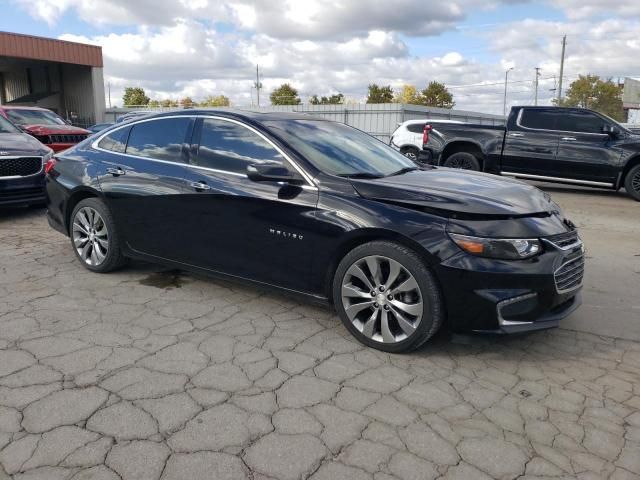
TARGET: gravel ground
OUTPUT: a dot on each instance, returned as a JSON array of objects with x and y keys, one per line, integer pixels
[{"x": 154, "y": 374}]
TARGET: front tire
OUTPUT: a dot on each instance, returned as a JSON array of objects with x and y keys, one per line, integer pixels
[
  {"x": 94, "y": 238},
  {"x": 632, "y": 183},
  {"x": 386, "y": 297},
  {"x": 462, "y": 160},
  {"x": 411, "y": 153}
]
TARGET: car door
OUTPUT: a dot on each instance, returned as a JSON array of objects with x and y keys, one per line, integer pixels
[
  {"x": 531, "y": 143},
  {"x": 585, "y": 153},
  {"x": 143, "y": 170},
  {"x": 257, "y": 230}
]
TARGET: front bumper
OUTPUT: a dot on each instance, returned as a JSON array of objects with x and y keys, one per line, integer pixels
[
  {"x": 22, "y": 191},
  {"x": 494, "y": 296}
]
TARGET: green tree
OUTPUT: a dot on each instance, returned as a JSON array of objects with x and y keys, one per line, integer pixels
[
  {"x": 590, "y": 91},
  {"x": 134, "y": 96},
  {"x": 285, "y": 94},
  {"x": 153, "y": 103},
  {"x": 436, "y": 95},
  {"x": 335, "y": 99},
  {"x": 379, "y": 94},
  {"x": 215, "y": 101},
  {"x": 186, "y": 102},
  {"x": 168, "y": 103},
  {"x": 408, "y": 94}
]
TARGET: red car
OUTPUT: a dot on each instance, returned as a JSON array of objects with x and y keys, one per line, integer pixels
[{"x": 45, "y": 125}]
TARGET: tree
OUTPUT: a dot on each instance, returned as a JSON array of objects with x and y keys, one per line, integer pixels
[
  {"x": 285, "y": 94},
  {"x": 380, "y": 94},
  {"x": 331, "y": 100},
  {"x": 590, "y": 91},
  {"x": 215, "y": 101},
  {"x": 408, "y": 94},
  {"x": 168, "y": 103},
  {"x": 134, "y": 96},
  {"x": 153, "y": 103},
  {"x": 436, "y": 95},
  {"x": 186, "y": 102}
]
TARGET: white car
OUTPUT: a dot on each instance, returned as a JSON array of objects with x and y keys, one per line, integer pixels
[{"x": 408, "y": 138}]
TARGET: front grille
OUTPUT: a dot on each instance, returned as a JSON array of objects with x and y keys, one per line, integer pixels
[
  {"x": 19, "y": 166},
  {"x": 566, "y": 240},
  {"x": 570, "y": 274},
  {"x": 66, "y": 138}
]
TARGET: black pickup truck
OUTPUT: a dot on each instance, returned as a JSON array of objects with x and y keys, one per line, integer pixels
[{"x": 551, "y": 144}]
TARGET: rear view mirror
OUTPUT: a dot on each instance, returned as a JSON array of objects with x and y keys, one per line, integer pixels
[{"x": 272, "y": 172}]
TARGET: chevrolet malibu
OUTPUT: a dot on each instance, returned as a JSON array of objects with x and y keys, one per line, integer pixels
[{"x": 320, "y": 209}]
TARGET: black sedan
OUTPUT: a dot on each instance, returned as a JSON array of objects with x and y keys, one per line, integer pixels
[
  {"x": 22, "y": 161},
  {"x": 324, "y": 210}
]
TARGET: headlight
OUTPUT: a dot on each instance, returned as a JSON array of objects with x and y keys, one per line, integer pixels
[{"x": 500, "y": 248}]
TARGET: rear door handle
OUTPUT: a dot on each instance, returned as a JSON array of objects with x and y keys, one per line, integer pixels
[
  {"x": 568, "y": 139},
  {"x": 116, "y": 172},
  {"x": 199, "y": 186}
]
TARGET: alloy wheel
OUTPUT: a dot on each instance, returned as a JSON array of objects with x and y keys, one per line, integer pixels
[
  {"x": 90, "y": 236},
  {"x": 411, "y": 155},
  {"x": 382, "y": 299},
  {"x": 463, "y": 163},
  {"x": 635, "y": 182}
]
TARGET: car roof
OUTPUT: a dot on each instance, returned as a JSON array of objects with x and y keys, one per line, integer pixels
[
  {"x": 18, "y": 107},
  {"x": 431, "y": 120},
  {"x": 250, "y": 115}
]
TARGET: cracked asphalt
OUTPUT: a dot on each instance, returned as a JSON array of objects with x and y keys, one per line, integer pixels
[{"x": 146, "y": 374}]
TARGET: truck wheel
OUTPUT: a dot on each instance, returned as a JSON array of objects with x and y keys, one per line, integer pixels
[
  {"x": 463, "y": 160},
  {"x": 632, "y": 183},
  {"x": 411, "y": 153}
]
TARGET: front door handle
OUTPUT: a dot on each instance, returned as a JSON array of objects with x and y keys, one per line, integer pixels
[
  {"x": 116, "y": 172},
  {"x": 201, "y": 186},
  {"x": 568, "y": 139}
]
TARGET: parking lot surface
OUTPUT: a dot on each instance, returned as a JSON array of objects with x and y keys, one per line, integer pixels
[{"x": 154, "y": 374}]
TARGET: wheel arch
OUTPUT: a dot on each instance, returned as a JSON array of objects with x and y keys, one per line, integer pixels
[
  {"x": 467, "y": 146},
  {"x": 76, "y": 197},
  {"x": 632, "y": 162},
  {"x": 371, "y": 235}
]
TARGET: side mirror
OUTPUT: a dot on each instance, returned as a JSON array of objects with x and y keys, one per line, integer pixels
[
  {"x": 611, "y": 130},
  {"x": 272, "y": 172}
]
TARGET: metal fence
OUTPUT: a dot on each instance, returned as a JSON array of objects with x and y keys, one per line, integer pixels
[{"x": 377, "y": 119}]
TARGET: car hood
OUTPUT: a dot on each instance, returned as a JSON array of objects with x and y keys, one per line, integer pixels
[
  {"x": 20, "y": 144},
  {"x": 55, "y": 130},
  {"x": 458, "y": 192}
]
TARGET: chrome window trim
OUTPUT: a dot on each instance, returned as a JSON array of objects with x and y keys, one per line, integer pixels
[
  {"x": 519, "y": 118},
  {"x": 305, "y": 175},
  {"x": 16, "y": 177},
  {"x": 558, "y": 179}
]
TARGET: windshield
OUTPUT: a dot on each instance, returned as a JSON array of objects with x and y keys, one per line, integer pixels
[
  {"x": 6, "y": 126},
  {"x": 338, "y": 149},
  {"x": 34, "y": 117}
]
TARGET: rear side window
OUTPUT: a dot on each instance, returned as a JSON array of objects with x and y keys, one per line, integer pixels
[
  {"x": 539, "y": 119},
  {"x": 416, "y": 127},
  {"x": 160, "y": 139},
  {"x": 231, "y": 147},
  {"x": 582, "y": 122},
  {"x": 116, "y": 141}
]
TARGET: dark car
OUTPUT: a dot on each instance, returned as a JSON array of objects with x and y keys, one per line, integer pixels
[
  {"x": 22, "y": 160},
  {"x": 98, "y": 127},
  {"x": 552, "y": 144},
  {"x": 47, "y": 126},
  {"x": 324, "y": 210}
]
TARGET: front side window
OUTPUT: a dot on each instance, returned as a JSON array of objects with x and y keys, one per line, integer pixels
[
  {"x": 160, "y": 139},
  {"x": 231, "y": 147},
  {"x": 34, "y": 117},
  {"x": 6, "y": 126},
  {"x": 116, "y": 141},
  {"x": 582, "y": 122}
]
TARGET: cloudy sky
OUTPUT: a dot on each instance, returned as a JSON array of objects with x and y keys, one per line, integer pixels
[{"x": 175, "y": 48}]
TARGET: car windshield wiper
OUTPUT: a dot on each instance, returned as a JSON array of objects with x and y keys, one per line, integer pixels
[
  {"x": 361, "y": 175},
  {"x": 403, "y": 170}
]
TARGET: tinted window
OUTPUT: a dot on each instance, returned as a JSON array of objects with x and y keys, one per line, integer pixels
[
  {"x": 116, "y": 141},
  {"x": 161, "y": 139},
  {"x": 231, "y": 147},
  {"x": 416, "y": 127},
  {"x": 6, "y": 126},
  {"x": 583, "y": 122},
  {"x": 539, "y": 119}
]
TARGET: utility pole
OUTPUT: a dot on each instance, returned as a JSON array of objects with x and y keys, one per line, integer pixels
[
  {"x": 564, "y": 45},
  {"x": 109, "y": 90},
  {"x": 506, "y": 78},
  {"x": 258, "y": 85},
  {"x": 537, "y": 75}
]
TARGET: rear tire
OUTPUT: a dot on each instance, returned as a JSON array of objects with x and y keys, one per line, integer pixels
[
  {"x": 94, "y": 237},
  {"x": 462, "y": 160},
  {"x": 632, "y": 183},
  {"x": 387, "y": 297}
]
